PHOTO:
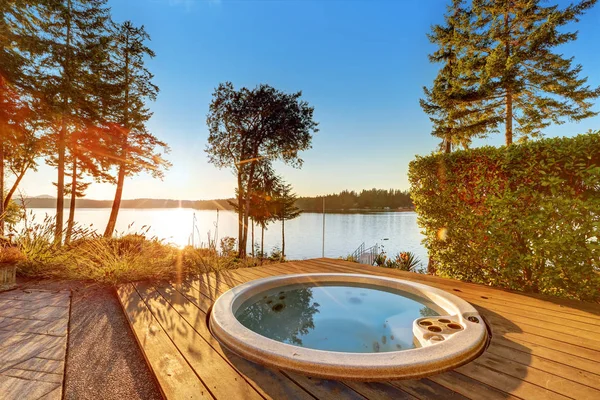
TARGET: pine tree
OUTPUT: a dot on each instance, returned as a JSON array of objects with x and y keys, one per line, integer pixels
[
  {"x": 86, "y": 157},
  {"x": 72, "y": 30},
  {"x": 18, "y": 45},
  {"x": 136, "y": 149},
  {"x": 524, "y": 80},
  {"x": 456, "y": 106},
  {"x": 285, "y": 209},
  {"x": 13, "y": 113}
]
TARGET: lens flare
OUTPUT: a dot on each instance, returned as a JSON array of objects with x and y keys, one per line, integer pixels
[{"x": 442, "y": 234}]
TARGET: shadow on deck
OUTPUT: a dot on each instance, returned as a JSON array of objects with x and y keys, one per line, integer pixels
[{"x": 542, "y": 348}]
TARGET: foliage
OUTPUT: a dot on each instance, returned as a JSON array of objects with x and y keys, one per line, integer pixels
[
  {"x": 351, "y": 200},
  {"x": 350, "y": 258},
  {"x": 455, "y": 113},
  {"x": 136, "y": 149},
  {"x": 126, "y": 258},
  {"x": 500, "y": 66},
  {"x": 74, "y": 34},
  {"x": 404, "y": 260},
  {"x": 276, "y": 254},
  {"x": 285, "y": 209},
  {"x": 227, "y": 246},
  {"x": 524, "y": 217},
  {"x": 10, "y": 255},
  {"x": 73, "y": 87},
  {"x": 252, "y": 127}
]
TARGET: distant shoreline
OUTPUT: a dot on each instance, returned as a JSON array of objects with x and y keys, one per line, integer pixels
[{"x": 200, "y": 205}]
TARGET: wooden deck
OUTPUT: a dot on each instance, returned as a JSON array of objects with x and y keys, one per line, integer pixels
[{"x": 541, "y": 348}]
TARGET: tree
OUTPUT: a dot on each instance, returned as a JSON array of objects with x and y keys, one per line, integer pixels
[
  {"x": 250, "y": 125},
  {"x": 262, "y": 204},
  {"x": 18, "y": 44},
  {"x": 12, "y": 125},
  {"x": 285, "y": 209},
  {"x": 137, "y": 150},
  {"x": 522, "y": 78},
  {"x": 262, "y": 201},
  {"x": 73, "y": 31},
  {"x": 456, "y": 107}
]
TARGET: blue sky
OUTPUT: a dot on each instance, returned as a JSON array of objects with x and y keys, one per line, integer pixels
[{"x": 361, "y": 64}]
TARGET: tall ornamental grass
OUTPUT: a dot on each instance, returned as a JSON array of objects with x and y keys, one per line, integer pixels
[{"x": 124, "y": 258}]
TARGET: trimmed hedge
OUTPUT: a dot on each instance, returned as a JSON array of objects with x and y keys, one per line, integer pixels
[{"x": 523, "y": 217}]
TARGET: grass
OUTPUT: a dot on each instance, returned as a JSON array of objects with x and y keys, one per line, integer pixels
[{"x": 112, "y": 260}]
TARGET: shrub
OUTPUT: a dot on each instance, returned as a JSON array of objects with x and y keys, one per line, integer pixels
[
  {"x": 10, "y": 255},
  {"x": 275, "y": 254},
  {"x": 228, "y": 246},
  {"x": 524, "y": 217},
  {"x": 113, "y": 260},
  {"x": 405, "y": 260}
]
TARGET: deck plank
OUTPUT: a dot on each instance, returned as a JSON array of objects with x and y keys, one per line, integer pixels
[
  {"x": 176, "y": 379},
  {"x": 270, "y": 384},
  {"x": 541, "y": 349},
  {"x": 587, "y": 348}
]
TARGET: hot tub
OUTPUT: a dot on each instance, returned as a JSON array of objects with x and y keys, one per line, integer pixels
[{"x": 348, "y": 326}]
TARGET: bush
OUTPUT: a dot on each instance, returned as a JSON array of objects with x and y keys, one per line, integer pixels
[
  {"x": 526, "y": 217},
  {"x": 126, "y": 258},
  {"x": 404, "y": 260},
  {"x": 10, "y": 255}
]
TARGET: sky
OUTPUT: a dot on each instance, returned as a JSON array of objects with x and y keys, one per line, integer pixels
[{"x": 361, "y": 64}]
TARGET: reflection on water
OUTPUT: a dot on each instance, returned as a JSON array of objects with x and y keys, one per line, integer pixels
[
  {"x": 344, "y": 232},
  {"x": 357, "y": 319},
  {"x": 295, "y": 307}
]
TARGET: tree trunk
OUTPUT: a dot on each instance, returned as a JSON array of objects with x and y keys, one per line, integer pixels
[
  {"x": 253, "y": 239},
  {"x": 14, "y": 187},
  {"x": 2, "y": 207},
  {"x": 112, "y": 221},
  {"x": 60, "y": 186},
  {"x": 241, "y": 248},
  {"x": 282, "y": 238},
  {"x": 246, "y": 220},
  {"x": 509, "y": 96},
  {"x": 509, "y": 118},
  {"x": 116, "y": 206},
  {"x": 262, "y": 243},
  {"x": 71, "y": 220},
  {"x": 447, "y": 145},
  {"x": 431, "y": 270},
  {"x": 246, "y": 213}
]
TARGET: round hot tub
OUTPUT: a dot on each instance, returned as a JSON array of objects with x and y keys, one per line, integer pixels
[{"x": 348, "y": 326}]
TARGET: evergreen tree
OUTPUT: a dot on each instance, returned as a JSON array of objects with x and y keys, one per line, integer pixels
[
  {"x": 13, "y": 113},
  {"x": 73, "y": 31},
  {"x": 86, "y": 157},
  {"x": 285, "y": 209},
  {"x": 456, "y": 107},
  {"x": 523, "y": 79},
  {"x": 18, "y": 45},
  {"x": 136, "y": 149}
]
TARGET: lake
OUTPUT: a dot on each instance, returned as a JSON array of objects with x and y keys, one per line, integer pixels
[{"x": 343, "y": 232}]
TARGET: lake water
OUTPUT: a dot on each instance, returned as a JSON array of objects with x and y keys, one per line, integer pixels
[{"x": 343, "y": 232}]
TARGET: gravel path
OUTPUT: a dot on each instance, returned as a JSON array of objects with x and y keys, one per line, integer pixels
[{"x": 103, "y": 358}]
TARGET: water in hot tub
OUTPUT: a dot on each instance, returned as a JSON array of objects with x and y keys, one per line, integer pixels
[{"x": 356, "y": 319}]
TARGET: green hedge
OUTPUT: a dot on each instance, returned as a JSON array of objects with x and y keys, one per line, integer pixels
[{"x": 526, "y": 217}]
